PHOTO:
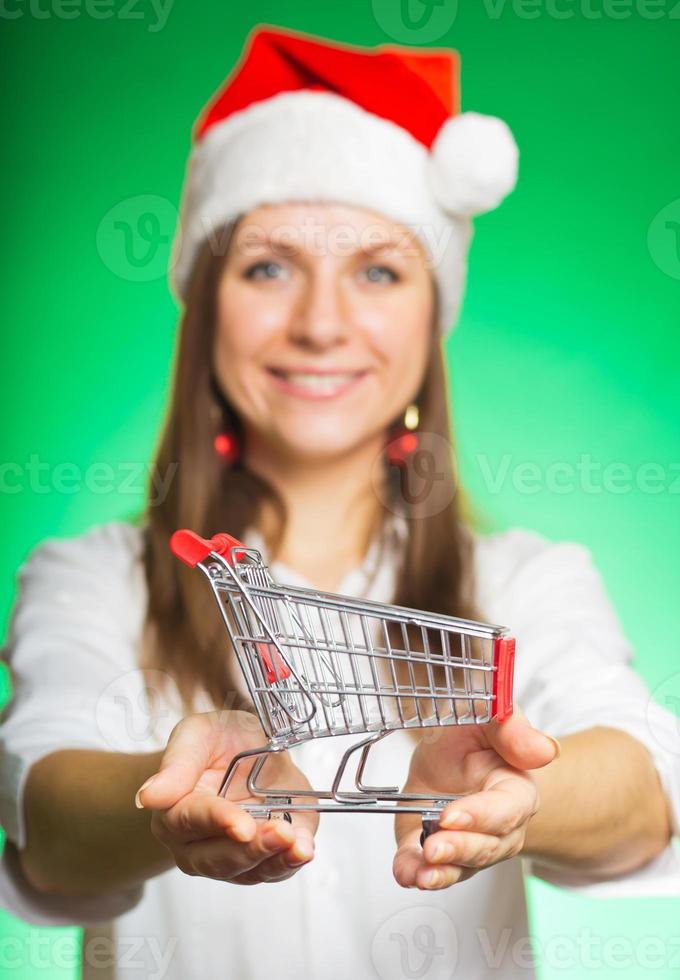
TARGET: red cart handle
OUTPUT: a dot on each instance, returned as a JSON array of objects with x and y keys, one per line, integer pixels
[{"x": 191, "y": 548}]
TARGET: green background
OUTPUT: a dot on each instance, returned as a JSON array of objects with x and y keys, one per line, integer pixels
[{"x": 568, "y": 344}]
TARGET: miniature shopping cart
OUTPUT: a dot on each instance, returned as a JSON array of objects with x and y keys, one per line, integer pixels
[{"x": 318, "y": 664}]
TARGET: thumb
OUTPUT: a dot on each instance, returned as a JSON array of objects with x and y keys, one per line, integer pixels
[
  {"x": 187, "y": 756},
  {"x": 520, "y": 744}
]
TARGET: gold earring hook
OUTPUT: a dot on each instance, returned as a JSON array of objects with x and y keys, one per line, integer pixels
[{"x": 412, "y": 417}]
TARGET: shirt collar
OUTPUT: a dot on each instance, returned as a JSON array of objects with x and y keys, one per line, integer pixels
[{"x": 386, "y": 546}]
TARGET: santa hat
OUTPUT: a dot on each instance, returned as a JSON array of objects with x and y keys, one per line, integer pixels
[{"x": 306, "y": 119}]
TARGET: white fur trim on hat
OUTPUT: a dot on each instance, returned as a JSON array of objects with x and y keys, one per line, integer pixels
[{"x": 318, "y": 146}]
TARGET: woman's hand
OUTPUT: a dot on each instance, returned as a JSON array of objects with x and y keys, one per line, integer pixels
[
  {"x": 489, "y": 763},
  {"x": 211, "y": 836}
]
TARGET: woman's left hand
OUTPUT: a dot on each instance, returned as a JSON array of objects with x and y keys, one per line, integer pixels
[{"x": 490, "y": 764}]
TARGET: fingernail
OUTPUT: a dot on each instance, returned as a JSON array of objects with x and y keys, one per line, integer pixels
[
  {"x": 302, "y": 856},
  {"x": 436, "y": 852},
  {"x": 432, "y": 878},
  {"x": 459, "y": 818},
  {"x": 303, "y": 845},
  {"x": 558, "y": 747},
  {"x": 138, "y": 802},
  {"x": 242, "y": 832},
  {"x": 272, "y": 841}
]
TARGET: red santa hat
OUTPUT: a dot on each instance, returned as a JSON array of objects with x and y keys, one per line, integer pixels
[{"x": 306, "y": 119}]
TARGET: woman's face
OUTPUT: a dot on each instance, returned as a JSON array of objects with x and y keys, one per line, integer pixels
[{"x": 324, "y": 315}]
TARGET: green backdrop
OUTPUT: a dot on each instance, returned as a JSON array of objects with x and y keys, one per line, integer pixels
[{"x": 564, "y": 368}]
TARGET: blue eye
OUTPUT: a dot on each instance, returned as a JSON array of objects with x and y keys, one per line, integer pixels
[
  {"x": 381, "y": 274},
  {"x": 265, "y": 270}
]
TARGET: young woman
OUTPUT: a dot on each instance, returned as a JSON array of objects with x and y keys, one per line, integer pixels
[{"x": 321, "y": 257}]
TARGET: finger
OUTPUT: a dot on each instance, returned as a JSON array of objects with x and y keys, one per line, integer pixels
[
  {"x": 464, "y": 848},
  {"x": 499, "y": 809},
  {"x": 433, "y": 878},
  {"x": 281, "y": 865},
  {"x": 408, "y": 859},
  {"x": 520, "y": 744},
  {"x": 305, "y": 823},
  {"x": 226, "y": 859},
  {"x": 200, "y": 816},
  {"x": 302, "y": 848},
  {"x": 187, "y": 756},
  {"x": 411, "y": 870}
]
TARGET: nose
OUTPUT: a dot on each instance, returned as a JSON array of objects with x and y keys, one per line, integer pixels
[{"x": 320, "y": 319}]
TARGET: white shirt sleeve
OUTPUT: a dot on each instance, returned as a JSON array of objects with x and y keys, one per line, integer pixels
[
  {"x": 573, "y": 672},
  {"x": 71, "y": 642}
]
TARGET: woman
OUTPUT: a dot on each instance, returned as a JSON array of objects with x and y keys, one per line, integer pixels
[{"x": 321, "y": 256}]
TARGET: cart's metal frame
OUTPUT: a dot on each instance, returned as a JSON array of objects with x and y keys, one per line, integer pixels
[{"x": 308, "y": 682}]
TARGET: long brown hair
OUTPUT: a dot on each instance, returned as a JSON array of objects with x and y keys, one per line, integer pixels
[{"x": 183, "y": 634}]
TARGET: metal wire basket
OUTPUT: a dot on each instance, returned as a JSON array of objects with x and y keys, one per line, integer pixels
[{"x": 319, "y": 665}]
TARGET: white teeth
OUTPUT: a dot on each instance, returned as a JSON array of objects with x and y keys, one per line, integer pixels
[{"x": 318, "y": 382}]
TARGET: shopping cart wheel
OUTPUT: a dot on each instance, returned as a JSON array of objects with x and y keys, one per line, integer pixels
[
  {"x": 429, "y": 827},
  {"x": 282, "y": 814},
  {"x": 431, "y": 821}
]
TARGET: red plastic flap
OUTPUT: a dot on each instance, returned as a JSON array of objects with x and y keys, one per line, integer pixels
[
  {"x": 274, "y": 667},
  {"x": 191, "y": 548},
  {"x": 504, "y": 662}
]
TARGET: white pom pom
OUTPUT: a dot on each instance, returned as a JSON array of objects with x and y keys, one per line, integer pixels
[{"x": 473, "y": 164}]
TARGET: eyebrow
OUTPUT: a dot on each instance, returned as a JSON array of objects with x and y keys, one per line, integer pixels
[
  {"x": 284, "y": 246},
  {"x": 277, "y": 245},
  {"x": 391, "y": 245}
]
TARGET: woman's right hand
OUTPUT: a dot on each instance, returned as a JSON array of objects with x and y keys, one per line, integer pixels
[{"x": 209, "y": 835}]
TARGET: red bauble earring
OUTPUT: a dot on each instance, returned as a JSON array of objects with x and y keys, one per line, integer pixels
[
  {"x": 226, "y": 444},
  {"x": 404, "y": 442},
  {"x": 227, "y": 447}
]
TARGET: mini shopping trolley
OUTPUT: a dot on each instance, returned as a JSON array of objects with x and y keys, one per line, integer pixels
[{"x": 318, "y": 665}]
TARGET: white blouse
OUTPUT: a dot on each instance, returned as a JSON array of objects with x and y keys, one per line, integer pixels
[{"x": 73, "y": 647}]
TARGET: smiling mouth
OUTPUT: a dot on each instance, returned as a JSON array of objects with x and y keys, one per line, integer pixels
[{"x": 316, "y": 384}]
